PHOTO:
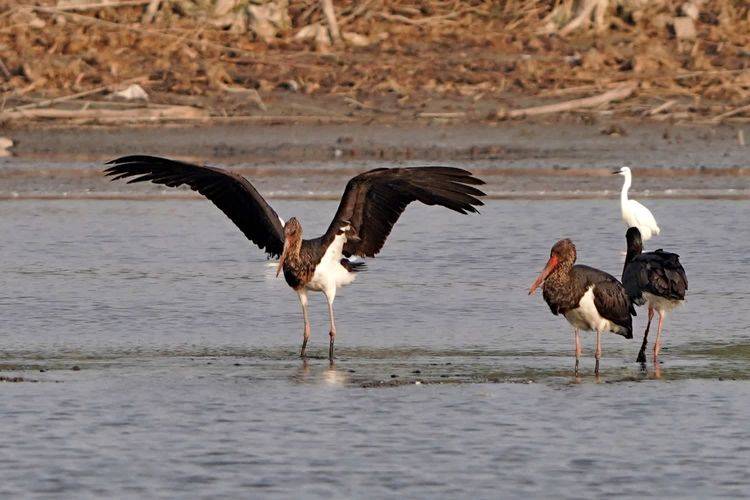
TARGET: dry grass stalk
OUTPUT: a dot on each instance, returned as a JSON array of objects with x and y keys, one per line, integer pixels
[
  {"x": 737, "y": 111},
  {"x": 330, "y": 15},
  {"x": 170, "y": 113},
  {"x": 409, "y": 50},
  {"x": 622, "y": 92},
  {"x": 72, "y": 97},
  {"x": 66, "y": 6}
]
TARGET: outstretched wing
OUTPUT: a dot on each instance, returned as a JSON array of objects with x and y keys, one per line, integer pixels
[
  {"x": 373, "y": 202},
  {"x": 232, "y": 193}
]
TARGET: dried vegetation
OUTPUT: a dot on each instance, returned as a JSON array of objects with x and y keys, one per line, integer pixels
[{"x": 374, "y": 59}]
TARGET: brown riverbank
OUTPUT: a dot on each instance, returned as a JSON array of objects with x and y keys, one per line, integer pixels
[{"x": 386, "y": 62}]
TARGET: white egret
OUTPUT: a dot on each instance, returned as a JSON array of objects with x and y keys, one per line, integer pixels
[{"x": 633, "y": 213}]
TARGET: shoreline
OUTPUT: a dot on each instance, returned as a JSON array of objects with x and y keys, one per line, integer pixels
[
  {"x": 519, "y": 160},
  {"x": 550, "y": 196},
  {"x": 638, "y": 141}
]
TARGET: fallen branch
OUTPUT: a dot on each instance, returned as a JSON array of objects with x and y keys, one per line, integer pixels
[
  {"x": 360, "y": 9},
  {"x": 172, "y": 113},
  {"x": 660, "y": 108},
  {"x": 72, "y": 97},
  {"x": 274, "y": 119},
  {"x": 333, "y": 25},
  {"x": 581, "y": 89},
  {"x": 622, "y": 92},
  {"x": 360, "y": 105},
  {"x": 678, "y": 115},
  {"x": 252, "y": 94},
  {"x": 454, "y": 114},
  {"x": 64, "y": 6},
  {"x": 708, "y": 72},
  {"x": 596, "y": 7},
  {"x": 417, "y": 22},
  {"x": 151, "y": 10},
  {"x": 736, "y": 111}
]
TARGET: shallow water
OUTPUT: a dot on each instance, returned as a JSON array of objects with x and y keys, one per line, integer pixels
[{"x": 449, "y": 379}]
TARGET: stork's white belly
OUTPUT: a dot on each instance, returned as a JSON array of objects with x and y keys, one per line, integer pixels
[
  {"x": 660, "y": 303},
  {"x": 329, "y": 273},
  {"x": 587, "y": 317}
]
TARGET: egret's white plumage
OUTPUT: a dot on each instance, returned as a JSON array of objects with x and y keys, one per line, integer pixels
[{"x": 633, "y": 213}]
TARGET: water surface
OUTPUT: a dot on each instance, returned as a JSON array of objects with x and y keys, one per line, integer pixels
[{"x": 157, "y": 356}]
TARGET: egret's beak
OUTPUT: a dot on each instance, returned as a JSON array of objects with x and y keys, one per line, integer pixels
[
  {"x": 283, "y": 257},
  {"x": 618, "y": 171},
  {"x": 551, "y": 265}
]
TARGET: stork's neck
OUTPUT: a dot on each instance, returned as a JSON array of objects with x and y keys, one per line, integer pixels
[
  {"x": 559, "y": 277},
  {"x": 634, "y": 250},
  {"x": 295, "y": 246},
  {"x": 626, "y": 187}
]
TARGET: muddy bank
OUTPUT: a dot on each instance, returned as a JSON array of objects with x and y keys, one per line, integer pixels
[
  {"x": 562, "y": 159},
  {"x": 548, "y": 143}
]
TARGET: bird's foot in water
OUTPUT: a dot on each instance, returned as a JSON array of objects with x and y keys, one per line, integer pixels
[
  {"x": 641, "y": 358},
  {"x": 330, "y": 346}
]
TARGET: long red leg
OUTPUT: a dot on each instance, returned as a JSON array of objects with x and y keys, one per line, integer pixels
[
  {"x": 657, "y": 343},
  {"x": 306, "y": 334},
  {"x": 598, "y": 352},
  {"x": 578, "y": 347}
]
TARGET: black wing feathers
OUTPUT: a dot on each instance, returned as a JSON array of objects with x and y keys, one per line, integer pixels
[
  {"x": 230, "y": 192},
  {"x": 373, "y": 201},
  {"x": 659, "y": 273},
  {"x": 610, "y": 297}
]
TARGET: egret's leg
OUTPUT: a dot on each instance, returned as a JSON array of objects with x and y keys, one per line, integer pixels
[
  {"x": 330, "y": 295},
  {"x": 598, "y": 352},
  {"x": 642, "y": 353},
  {"x": 302, "y": 293},
  {"x": 657, "y": 343},
  {"x": 577, "y": 339}
]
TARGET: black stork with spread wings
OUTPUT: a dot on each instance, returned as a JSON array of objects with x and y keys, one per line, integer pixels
[
  {"x": 371, "y": 205},
  {"x": 589, "y": 299}
]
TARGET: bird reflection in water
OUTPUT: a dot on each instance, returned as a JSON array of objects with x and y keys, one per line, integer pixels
[{"x": 307, "y": 373}]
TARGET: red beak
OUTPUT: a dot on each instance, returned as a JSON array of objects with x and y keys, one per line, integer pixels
[
  {"x": 283, "y": 257},
  {"x": 551, "y": 265}
]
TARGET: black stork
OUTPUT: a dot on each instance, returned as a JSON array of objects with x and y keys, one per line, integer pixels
[
  {"x": 371, "y": 204},
  {"x": 589, "y": 299},
  {"x": 654, "y": 278}
]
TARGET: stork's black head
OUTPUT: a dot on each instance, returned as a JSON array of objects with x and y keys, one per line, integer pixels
[
  {"x": 635, "y": 243},
  {"x": 633, "y": 236}
]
